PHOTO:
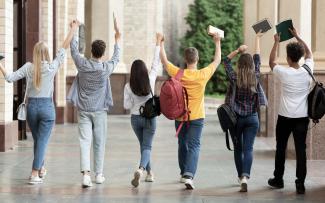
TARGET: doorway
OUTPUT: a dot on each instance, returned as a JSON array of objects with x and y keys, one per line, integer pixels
[{"x": 18, "y": 61}]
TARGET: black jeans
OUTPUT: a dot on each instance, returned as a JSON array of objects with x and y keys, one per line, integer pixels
[{"x": 284, "y": 127}]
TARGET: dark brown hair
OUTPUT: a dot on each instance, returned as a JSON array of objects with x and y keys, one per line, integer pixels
[
  {"x": 98, "y": 48},
  {"x": 139, "y": 78},
  {"x": 295, "y": 51},
  {"x": 246, "y": 77},
  {"x": 191, "y": 55}
]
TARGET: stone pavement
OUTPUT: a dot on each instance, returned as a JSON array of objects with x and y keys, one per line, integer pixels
[{"x": 215, "y": 180}]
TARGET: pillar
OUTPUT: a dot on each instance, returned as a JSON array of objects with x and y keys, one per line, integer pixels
[{"x": 8, "y": 127}]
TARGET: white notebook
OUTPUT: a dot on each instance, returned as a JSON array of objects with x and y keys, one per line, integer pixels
[{"x": 213, "y": 30}]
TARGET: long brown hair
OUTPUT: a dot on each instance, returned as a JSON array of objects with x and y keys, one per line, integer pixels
[
  {"x": 139, "y": 78},
  {"x": 40, "y": 53},
  {"x": 246, "y": 77}
]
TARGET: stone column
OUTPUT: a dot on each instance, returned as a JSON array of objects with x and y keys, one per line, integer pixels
[
  {"x": 60, "y": 84},
  {"x": 140, "y": 29},
  {"x": 100, "y": 26},
  {"x": 256, "y": 10},
  {"x": 66, "y": 11},
  {"x": 175, "y": 27},
  {"x": 318, "y": 33},
  {"x": 316, "y": 137},
  {"x": 8, "y": 127},
  {"x": 46, "y": 24}
]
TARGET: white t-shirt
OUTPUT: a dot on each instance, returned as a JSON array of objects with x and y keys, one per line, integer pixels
[
  {"x": 134, "y": 102},
  {"x": 295, "y": 87}
]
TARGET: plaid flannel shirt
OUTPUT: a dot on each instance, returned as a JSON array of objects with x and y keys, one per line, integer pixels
[{"x": 246, "y": 102}]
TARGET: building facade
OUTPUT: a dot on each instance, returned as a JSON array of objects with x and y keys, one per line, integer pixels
[
  {"x": 23, "y": 23},
  {"x": 307, "y": 17}
]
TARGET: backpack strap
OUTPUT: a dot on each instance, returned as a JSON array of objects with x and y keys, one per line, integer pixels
[
  {"x": 227, "y": 141},
  {"x": 179, "y": 74},
  {"x": 306, "y": 67}
]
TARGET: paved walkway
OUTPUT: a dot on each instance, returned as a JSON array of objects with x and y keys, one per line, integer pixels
[{"x": 215, "y": 180}]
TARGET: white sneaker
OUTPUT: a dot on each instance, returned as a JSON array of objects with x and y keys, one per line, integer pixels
[
  {"x": 42, "y": 173},
  {"x": 189, "y": 184},
  {"x": 86, "y": 181},
  {"x": 182, "y": 180},
  {"x": 100, "y": 178},
  {"x": 137, "y": 176},
  {"x": 243, "y": 184},
  {"x": 239, "y": 181},
  {"x": 150, "y": 177},
  {"x": 33, "y": 180}
]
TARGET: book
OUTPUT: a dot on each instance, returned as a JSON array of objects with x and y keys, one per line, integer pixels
[
  {"x": 283, "y": 29},
  {"x": 1, "y": 57},
  {"x": 213, "y": 30},
  {"x": 263, "y": 25}
]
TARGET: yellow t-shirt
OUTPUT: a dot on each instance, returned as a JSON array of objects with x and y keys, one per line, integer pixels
[{"x": 194, "y": 81}]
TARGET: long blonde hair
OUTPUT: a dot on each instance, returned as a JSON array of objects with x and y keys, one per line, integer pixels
[
  {"x": 246, "y": 77},
  {"x": 40, "y": 53}
]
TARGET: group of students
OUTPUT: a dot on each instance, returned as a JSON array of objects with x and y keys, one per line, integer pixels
[{"x": 91, "y": 93}]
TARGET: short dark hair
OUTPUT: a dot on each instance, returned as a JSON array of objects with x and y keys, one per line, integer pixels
[
  {"x": 98, "y": 48},
  {"x": 191, "y": 55},
  {"x": 295, "y": 51},
  {"x": 139, "y": 78}
]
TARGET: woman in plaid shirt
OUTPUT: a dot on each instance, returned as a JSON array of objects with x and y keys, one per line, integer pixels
[{"x": 248, "y": 97}]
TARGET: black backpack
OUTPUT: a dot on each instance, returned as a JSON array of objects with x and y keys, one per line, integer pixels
[
  {"x": 316, "y": 99},
  {"x": 228, "y": 118},
  {"x": 151, "y": 108}
]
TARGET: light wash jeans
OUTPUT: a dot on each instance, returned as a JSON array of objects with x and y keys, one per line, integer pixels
[
  {"x": 92, "y": 128},
  {"x": 245, "y": 133},
  {"x": 189, "y": 142},
  {"x": 144, "y": 130},
  {"x": 40, "y": 119}
]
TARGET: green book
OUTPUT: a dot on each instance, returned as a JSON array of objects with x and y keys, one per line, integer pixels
[{"x": 283, "y": 29}]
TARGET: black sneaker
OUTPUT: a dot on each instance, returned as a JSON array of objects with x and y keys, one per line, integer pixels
[
  {"x": 300, "y": 188},
  {"x": 276, "y": 183}
]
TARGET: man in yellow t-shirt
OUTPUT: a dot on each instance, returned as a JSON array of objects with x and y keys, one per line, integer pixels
[{"x": 194, "y": 81}]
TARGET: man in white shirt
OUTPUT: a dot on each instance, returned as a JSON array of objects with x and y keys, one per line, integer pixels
[{"x": 293, "y": 111}]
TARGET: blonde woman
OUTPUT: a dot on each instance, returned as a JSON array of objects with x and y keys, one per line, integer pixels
[
  {"x": 249, "y": 95},
  {"x": 40, "y": 108}
]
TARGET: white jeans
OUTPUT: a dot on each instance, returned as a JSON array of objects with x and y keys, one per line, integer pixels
[{"x": 92, "y": 125}]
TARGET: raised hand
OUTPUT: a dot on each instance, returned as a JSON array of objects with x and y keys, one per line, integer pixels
[
  {"x": 277, "y": 37},
  {"x": 216, "y": 37},
  {"x": 74, "y": 24},
  {"x": 242, "y": 48},
  {"x": 117, "y": 30},
  {"x": 294, "y": 32},
  {"x": 259, "y": 34},
  {"x": 159, "y": 37}
]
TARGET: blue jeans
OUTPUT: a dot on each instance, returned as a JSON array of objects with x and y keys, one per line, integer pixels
[
  {"x": 92, "y": 129},
  {"x": 189, "y": 139},
  {"x": 144, "y": 130},
  {"x": 244, "y": 133},
  {"x": 40, "y": 118}
]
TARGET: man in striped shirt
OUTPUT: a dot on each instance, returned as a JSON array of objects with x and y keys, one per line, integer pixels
[{"x": 92, "y": 96}]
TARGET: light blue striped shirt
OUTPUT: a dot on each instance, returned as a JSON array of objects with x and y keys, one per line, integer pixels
[{"x": 93, "y": 89}]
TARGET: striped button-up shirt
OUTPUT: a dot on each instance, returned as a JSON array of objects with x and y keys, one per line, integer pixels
[
  {"x": 246, "y": 102},
  {"x": 93, "y": 85}
]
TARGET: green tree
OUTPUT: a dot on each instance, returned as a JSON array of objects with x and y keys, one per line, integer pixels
[{"x": 224, "y": 14}]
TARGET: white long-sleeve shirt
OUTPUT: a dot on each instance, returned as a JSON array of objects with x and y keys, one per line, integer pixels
[{"x": 134, "y": 102}]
